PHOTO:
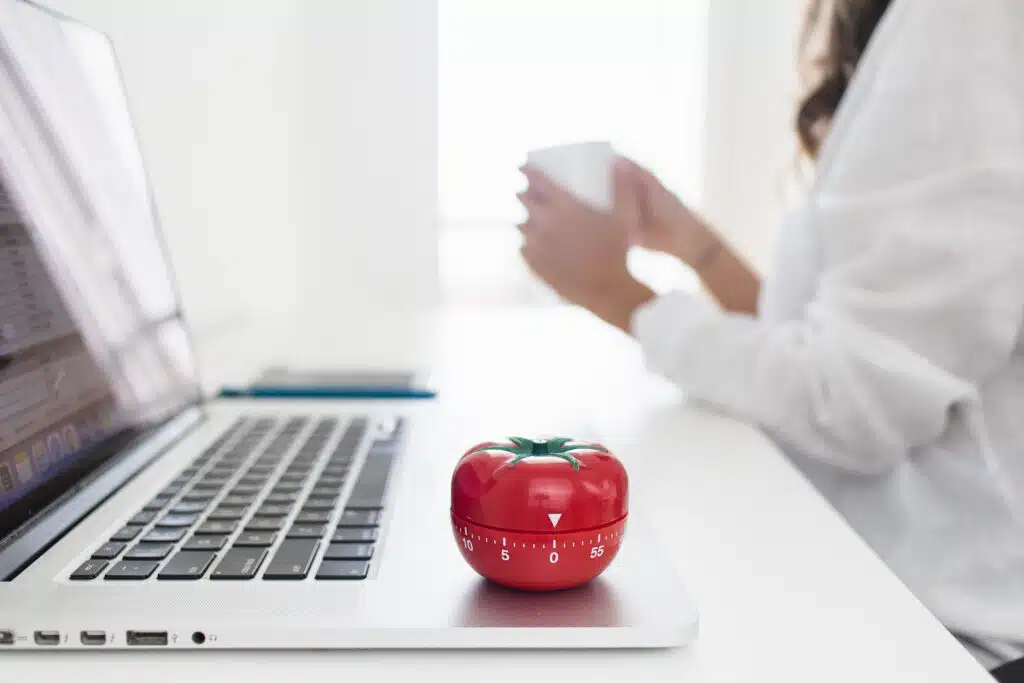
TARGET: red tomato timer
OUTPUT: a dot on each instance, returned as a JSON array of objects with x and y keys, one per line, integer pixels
[{"x": 539, "y": 515}]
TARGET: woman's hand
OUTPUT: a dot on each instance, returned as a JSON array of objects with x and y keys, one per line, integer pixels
[
  {"x": 663, "y": 222},
  {"x": 581, "y": 252}
]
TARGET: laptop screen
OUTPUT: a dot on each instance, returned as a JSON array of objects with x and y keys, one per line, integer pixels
[{"x": 92, "y": 342}]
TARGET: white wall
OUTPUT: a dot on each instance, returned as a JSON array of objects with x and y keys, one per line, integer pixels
[
  {"x": 750, "y": 146},
  {"x": 369, "y": 144},
  {"x": 291, "y": 145}
]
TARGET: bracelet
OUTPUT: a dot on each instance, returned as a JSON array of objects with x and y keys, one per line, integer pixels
[{"x": 708, "y": 256}]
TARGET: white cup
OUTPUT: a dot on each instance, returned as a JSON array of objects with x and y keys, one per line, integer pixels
[{"x": 586, "y": 169}]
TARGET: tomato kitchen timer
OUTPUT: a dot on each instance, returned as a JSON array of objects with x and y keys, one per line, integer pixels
[{"x": 539, "y": 515}]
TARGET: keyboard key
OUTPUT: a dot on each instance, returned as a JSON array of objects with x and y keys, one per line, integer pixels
[
  {"x": 342, "y": 570},
  {"x": 89, "y": 570},
  {"x": 287, "y": 487},
  {"x": 330, "y": 480},
  {"x": 174, "y": 520},
  {"x": 228, "y": 513},
  {"x": 321, "y": 491},
  {"x": 186, "y": 507},
  {"x": 172, "y": 490},
  {"x": 149, "y": 551},
  {"x": 265, "y": 524},
  {"x": 108, "y": 551},
  {"x": 282, "y": 498},
  {"x": 214, "y": 480},
  {"x": 216, "y": 527},
  {"x": 273, "y": 510},
  {"x": 187, "y": 565},
  {"x": 205, "y": 543},
  {"x": 205, "y": 489},
  {"x": 164, "y": 536},
  {"x": 349, "y": 551},
  {"x": 157, "y": 504},
  {"x": 199, "y": 496},
  {"x": 143, "y": 518},
  {"x": 363, "y": 535},
  {"x": 352, "y": 437},
  {"x": 293, "y": 477},
  {"x": 321, "y": 503},
  {"x": 131, "y": 570},
  {"x": 246, "y": 489},
  {"x": 238, "y": 500},
  {"x": 126, "y": 533},
  {"x": 306, "y": 531},
  {"x": 370, "y": 487},
  {"x": 292, "y": 560},
  {"x": 313, "y": 517},
  {"x": 239, "y": 564},
  {"x": 256, "y": 539},
  {"x": 355, "y": 518}
]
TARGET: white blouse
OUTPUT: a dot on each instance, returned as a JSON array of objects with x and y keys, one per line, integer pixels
[{"x": 887, "y": 357}]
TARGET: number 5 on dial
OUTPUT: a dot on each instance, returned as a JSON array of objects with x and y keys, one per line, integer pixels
[{"x": 504, "y": 555}]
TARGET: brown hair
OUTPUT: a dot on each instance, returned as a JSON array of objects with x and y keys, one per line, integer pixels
[{"x": 845, "y": 27}]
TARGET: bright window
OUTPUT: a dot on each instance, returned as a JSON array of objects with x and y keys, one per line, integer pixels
[{"x": 514, "y": 75}]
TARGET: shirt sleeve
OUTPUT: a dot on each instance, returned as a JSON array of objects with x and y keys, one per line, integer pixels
[{"x": 922, "y": 291}]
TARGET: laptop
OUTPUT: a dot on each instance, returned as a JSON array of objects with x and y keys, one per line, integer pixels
[{"x": 135, "y": 513}]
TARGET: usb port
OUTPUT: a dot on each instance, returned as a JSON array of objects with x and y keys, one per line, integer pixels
[
  {"x": 93, "y": 637},
  {"x": 6, "y": 637},
  {"x": 47, "y": 637},
  {"x": 146, "y": 637}
]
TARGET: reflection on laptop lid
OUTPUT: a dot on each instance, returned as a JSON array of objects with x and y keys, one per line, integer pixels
[{"x": 92, "y": 342}]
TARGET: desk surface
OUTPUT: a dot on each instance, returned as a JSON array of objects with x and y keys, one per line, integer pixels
[{"x": 786, "y": 590}]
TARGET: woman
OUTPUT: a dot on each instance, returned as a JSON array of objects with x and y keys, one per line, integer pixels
[{"x": 885, "y": 355}]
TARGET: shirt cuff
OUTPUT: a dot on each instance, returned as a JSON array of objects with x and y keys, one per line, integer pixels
[{"x": 662, "y": 324}]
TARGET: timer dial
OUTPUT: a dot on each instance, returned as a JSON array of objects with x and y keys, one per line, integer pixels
[{"x": 539, "y": 515}]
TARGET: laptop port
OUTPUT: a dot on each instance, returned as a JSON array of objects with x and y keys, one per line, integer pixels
[
  {"x": 47, "y": 637},
  {"x": 6, "y": 637},
  {"x": 93, "y": 637},
  {"x": 146, "y": 637}
]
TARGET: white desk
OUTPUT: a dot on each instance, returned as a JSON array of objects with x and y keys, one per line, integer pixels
[{"x": 787, "y": 591}]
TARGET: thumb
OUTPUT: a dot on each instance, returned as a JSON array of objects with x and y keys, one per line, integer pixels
[{"x": 626, "y": 208}]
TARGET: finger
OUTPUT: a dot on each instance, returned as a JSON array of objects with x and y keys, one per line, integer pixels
[
  {"x": 642, "y": 182},
  {"x": 530, "y": 200},
  {"x": 627, "y": 202},
  {"x": 529, "y": 255},
  {"x": 543, "y": 186},
  {"x": 635, "y": 171}
]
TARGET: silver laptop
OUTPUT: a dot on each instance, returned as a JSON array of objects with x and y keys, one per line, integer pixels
[{"x": 136, "y": 514}]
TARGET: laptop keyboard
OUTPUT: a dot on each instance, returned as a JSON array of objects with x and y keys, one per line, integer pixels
[{"x": 261, "y": 502}]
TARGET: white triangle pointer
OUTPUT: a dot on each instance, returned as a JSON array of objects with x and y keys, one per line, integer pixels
[{"x": 554, "y": 517}]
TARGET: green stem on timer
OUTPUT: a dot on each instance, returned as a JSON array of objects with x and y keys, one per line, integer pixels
[{"x": 557, "y": 447}]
